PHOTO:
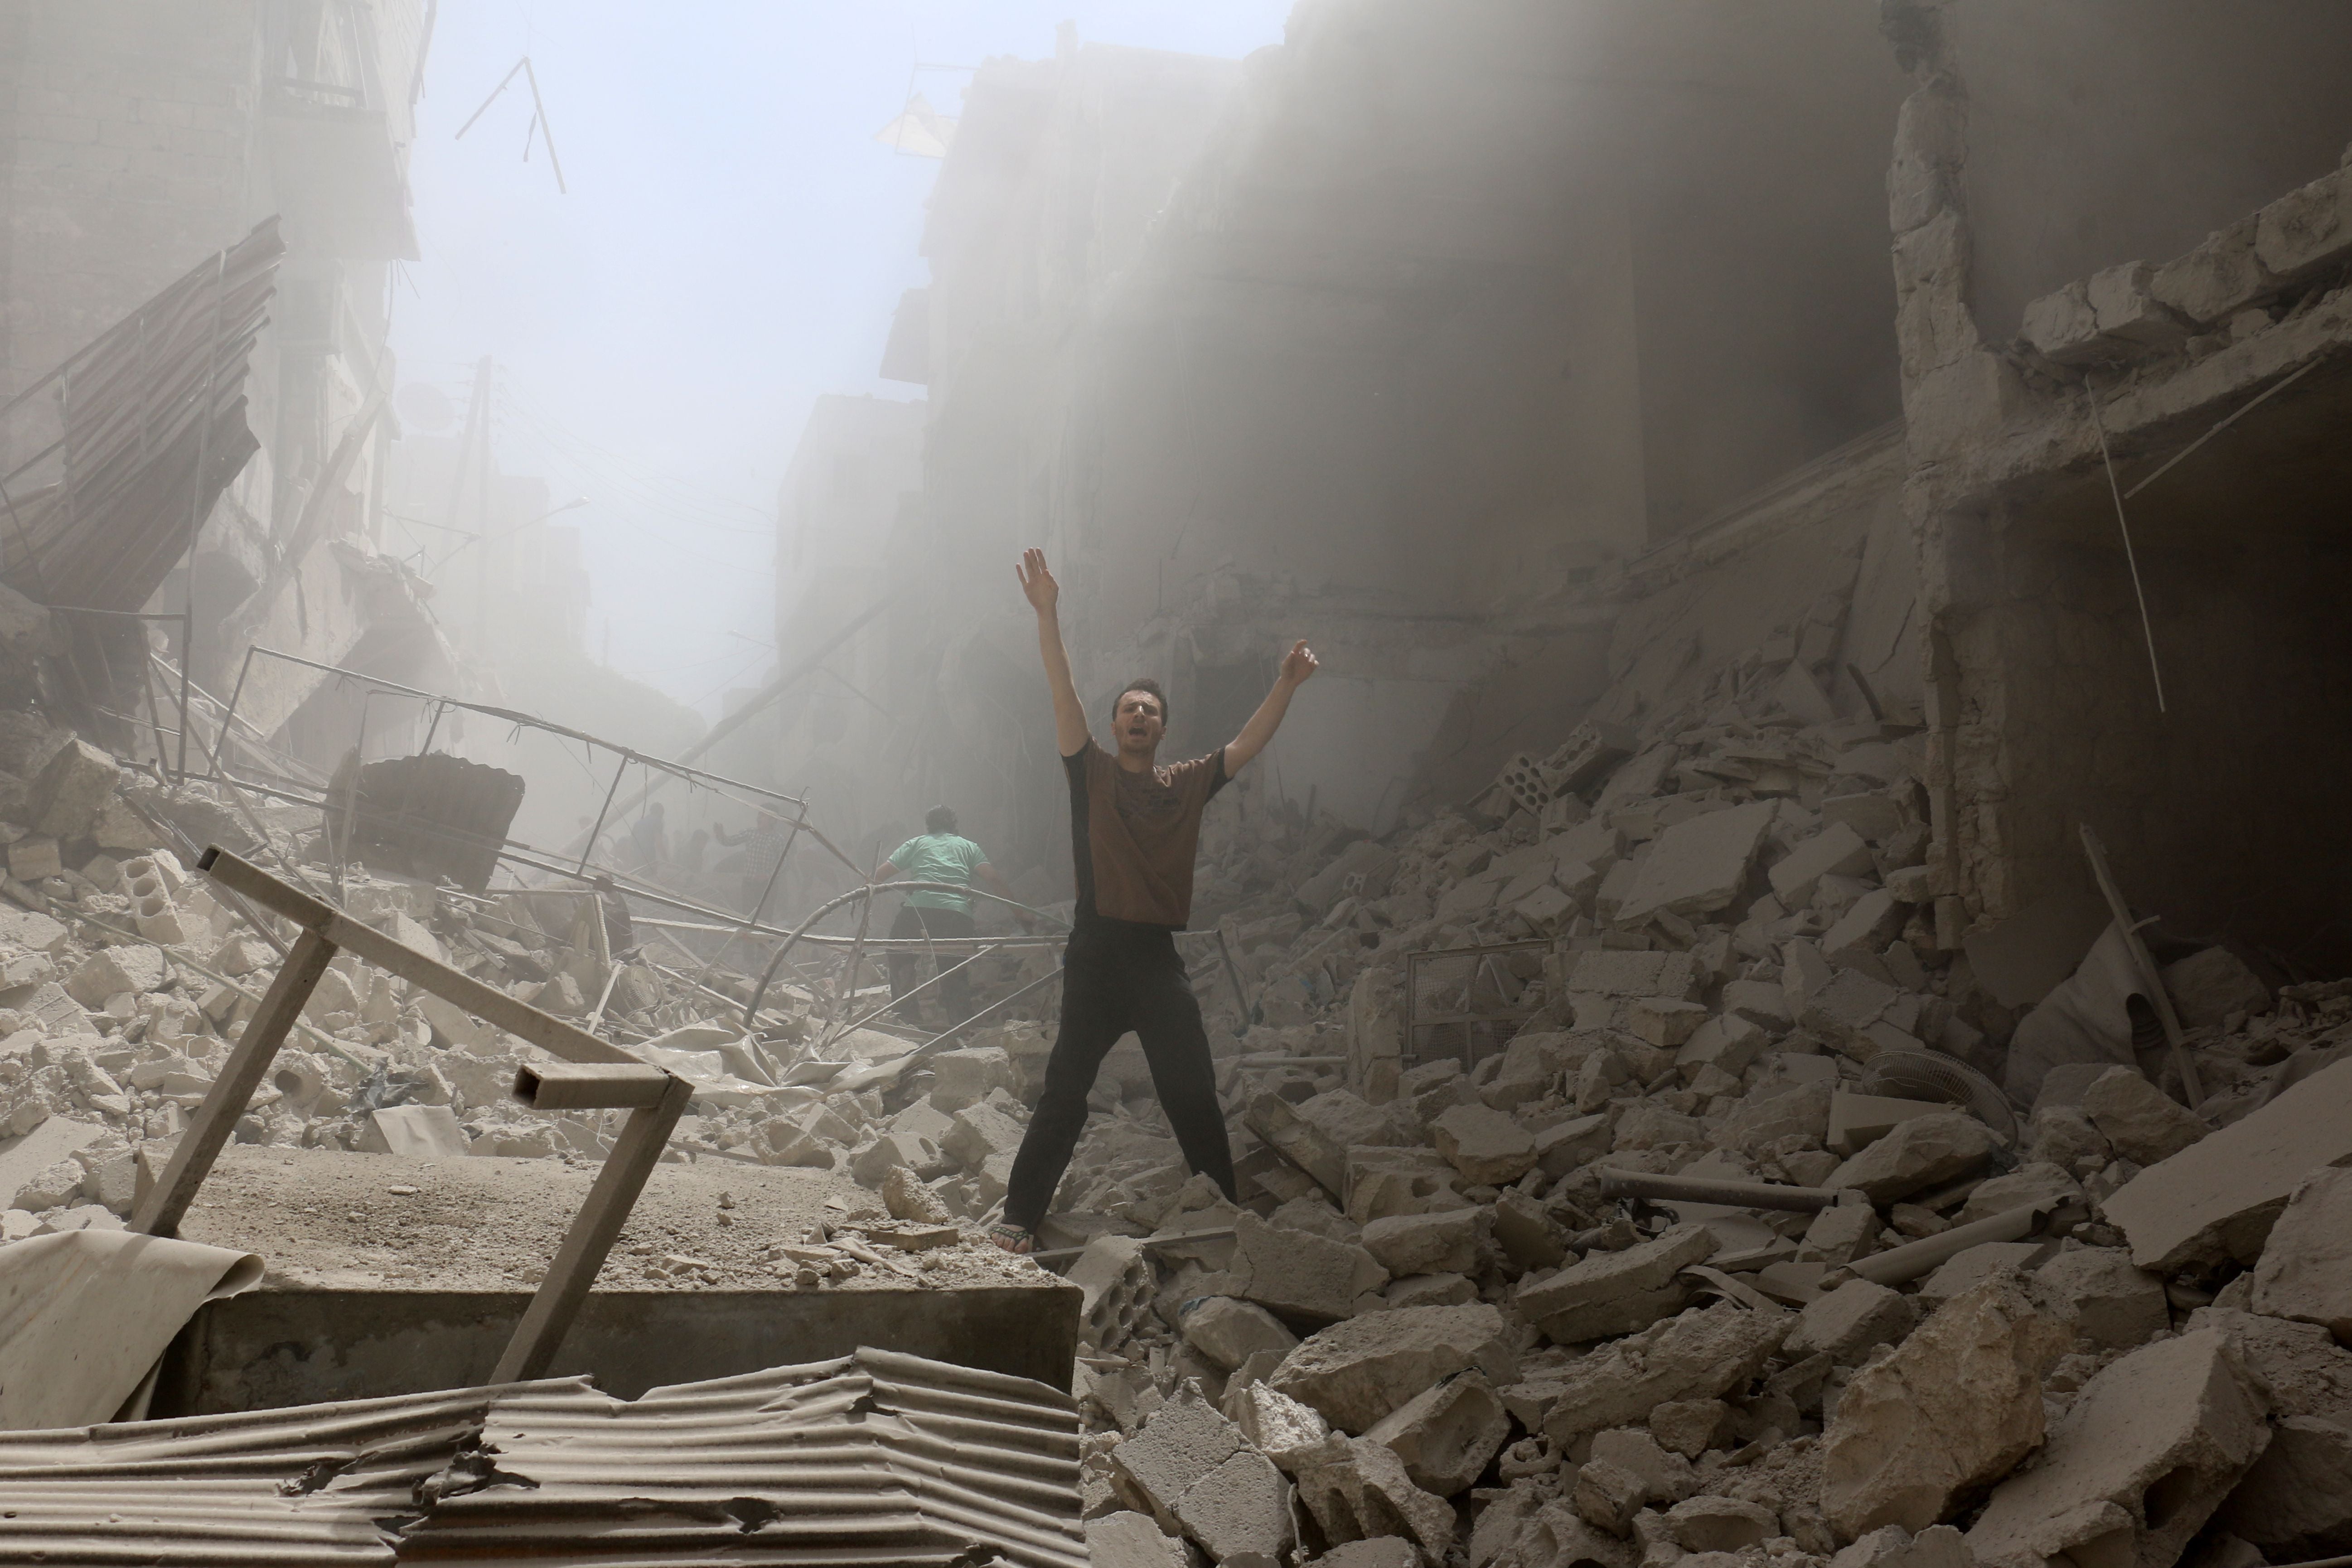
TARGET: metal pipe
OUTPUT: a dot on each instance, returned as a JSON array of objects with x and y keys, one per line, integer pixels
[
  {"x": 1730, "y": 1194},
  {"x": 1897, "y": 1265}
]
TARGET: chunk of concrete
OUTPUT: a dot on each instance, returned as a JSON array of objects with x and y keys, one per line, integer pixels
[
  {"x": 1191, "y": 1470},
  {"x": 1767, "y": 1116},
  {"x": 963, "y": 1077},
  {"x": 1315, "y": 1134},
  {"x": 1229, "y": 1332},
  {"x": 1688, "y": 1427},
  {"x": 2307, "y": 230},
  {"x": 1608, "y": 1495},
  {"x": 2207, "y": 986},
  {"x": 1572, "y": 1144},
  {"x": 2141, "y": 1460},
  {"x": 1664, "y": 1021},
  {"x": 1488, "y": 1147},
  {"x": 1858, "y": 1121},
  {"x": 1924, "y": 1152},
  {"x": 1892, "y": 1546},
  {"x": 2218, "y": 1199},
  {"x": 1847, "y": 1322},
  {"x": 1720, "y": 1524},
  {"x": 2037, "y": 1184},
  {"x": 1356, "y": 1372},
  {"x": 1869, "y": 923},
  {"x": 1283, "y": 1429},
  {"x": 1951, "y": 1409},
  {"x": 1613, "y": 972},
  {"x": 2143, "y": 1123},
  {"x": 1445, "y": 1436},
  {"x": 1360, "y": 1491},
  {"x": 1965, "y": 1269},
  {"x": 1837, "y": 850},
  {"x": 1443, "y": 1242},
  {"x": 1727, "y": 1043},
  {"x": 1528, "y": 1235},
  {"x": 1296, "y": 1274},
  {"x": 1384, "y": 1551},
  {"x": 112, "y": 970},
  {"x": 982, "y": 1132},
  {"x": 1611, "y": 1293},
  {"x": 1699, "y": 866},
  {"x": 1702, "y": 1353},
  {"x": 2306, "y": 1272},
  {"x": 1130, "y": 1539},
  {"x": 2217, "y": 278},
  {"x": 2296, "y": 1501},
  {"x": 2116, "y": 1304},
  {"x": 417, "y": 1132},
  {"x": 71, "y": 788}
]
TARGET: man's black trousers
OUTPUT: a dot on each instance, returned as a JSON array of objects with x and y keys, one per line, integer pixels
[
  {"x": 1113, "y": 983},
  {"x": 913, "y": 923}
]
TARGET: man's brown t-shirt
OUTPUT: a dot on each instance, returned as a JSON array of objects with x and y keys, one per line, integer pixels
[{"x": 1133, "y": 836}]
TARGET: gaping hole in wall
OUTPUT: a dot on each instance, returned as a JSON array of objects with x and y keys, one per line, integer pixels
[{"x": 2224, "y": 811}]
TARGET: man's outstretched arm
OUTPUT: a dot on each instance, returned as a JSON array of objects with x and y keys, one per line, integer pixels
[
  {"x": 1044, "y": 596},
  {"x": 1296, "y": 666}
]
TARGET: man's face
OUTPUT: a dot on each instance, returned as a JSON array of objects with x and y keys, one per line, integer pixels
[{"x": 1138, "y": 721}]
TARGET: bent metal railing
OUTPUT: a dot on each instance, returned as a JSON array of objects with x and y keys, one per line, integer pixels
[{"x": 593, "y": 1075}]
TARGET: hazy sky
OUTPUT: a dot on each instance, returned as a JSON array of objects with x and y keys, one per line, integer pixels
[{"x": 732, "y": 245}]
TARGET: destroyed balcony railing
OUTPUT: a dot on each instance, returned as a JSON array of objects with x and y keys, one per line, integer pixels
[{"x": 593, "y": 1074}]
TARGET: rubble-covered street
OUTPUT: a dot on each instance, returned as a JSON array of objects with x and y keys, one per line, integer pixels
[{"x": 1712, "y": 929}]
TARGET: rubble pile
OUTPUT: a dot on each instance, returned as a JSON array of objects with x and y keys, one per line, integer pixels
[
  {"x": 1690, "y": 1226},
  {"x": 2064, "y": 1326}
]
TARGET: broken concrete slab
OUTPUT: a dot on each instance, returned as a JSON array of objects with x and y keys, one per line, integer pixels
[
  {"x": 2217, "y": 1200},
  {"x": 1488, "y": 1147},
  {"x": 1130, "y": 1539},
  {"x": 1837, "y": 850},
  {"x": 1230, "y": 1331},
  {"x": 1310, "y": 1279},
  {"x": 1445, "y": 1436},
  {"x": 2143, "y": 1457},
  {"x": 1699, "y": 866},
  {"x": 2143, "y": 1123},
  {"x": 2036, "y": 1184},
  {"x": 1924, "y": 1152},
  {"x": 1607, "y": 1495},
  {"x": 1443, "y": 1242},
  {"x": 415, "y": 1131},
  {"x": 1316, "y": 1133},
  {"x": 71, "y": 788},
  {"x": 1191, "y": 1470},
  {"x": 1611, "y": 1293},
  {"x": 2116, "y": 1304},
  {"x": 1702, "y": 1353},
  {"x": 1950, "y": 1409},
  {"x": 1286, "y": 1431},
  {"x": 1360, "y": 1491},
  {"x": 1971, "y": 1265},
  {"x": 2305, "y": 1271},
  {"x": 1847, "y": 1322},
  {"x": 1613, "y": 972},
  {"x": 1358, "y": 1371}
]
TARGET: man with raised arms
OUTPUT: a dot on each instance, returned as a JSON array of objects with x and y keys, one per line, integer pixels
[{"x": 1135, "y": 823}]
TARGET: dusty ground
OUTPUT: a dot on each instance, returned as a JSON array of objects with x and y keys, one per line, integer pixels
[{"x": 329, "y": 1219}]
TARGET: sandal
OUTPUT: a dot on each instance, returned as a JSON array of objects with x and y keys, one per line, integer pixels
[{"x": 1013, "y": 1239}]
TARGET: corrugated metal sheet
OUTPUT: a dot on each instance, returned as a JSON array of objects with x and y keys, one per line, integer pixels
[
  {"x": 139, "y": 405},
  {"x": 875, "y": 1459}
]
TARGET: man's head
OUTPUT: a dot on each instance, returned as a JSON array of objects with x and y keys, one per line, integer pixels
[
  {"x": 1138, "y": 719},
  {"x": 939, "y": 819}
]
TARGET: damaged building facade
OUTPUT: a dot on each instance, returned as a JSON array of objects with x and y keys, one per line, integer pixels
[{"x": 139, "y": 142}]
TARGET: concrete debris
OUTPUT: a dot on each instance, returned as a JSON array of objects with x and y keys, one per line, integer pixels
[
  {"x": 1446, "y": 1436},
  {"x": 1916, "y": 1154},
  {"x": 1613, "y": 1293},
  {"x": 1358, "y": 1490},
  {"x": 2305, "y": 1271},
  {"x": 1192, "y": 1469},
  {"x": 1950, "y": 1410},
  {"x": 2142, "y": 1458},
  {"x": 2137, "y": 1118},
  {"x": 1356, "y": 1372},
  {"x": 1230, "y": 1331}
]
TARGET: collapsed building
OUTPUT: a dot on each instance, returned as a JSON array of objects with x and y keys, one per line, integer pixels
[{"x": 1763, "y": 1016}]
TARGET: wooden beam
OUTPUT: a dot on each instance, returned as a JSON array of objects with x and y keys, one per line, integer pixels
[
  {"x": 485, "y": 1002},
  {"x": 232, "y": 1091},
  {"x": 589, "y": 1086},
  {"x": 573, "y": 1269}
]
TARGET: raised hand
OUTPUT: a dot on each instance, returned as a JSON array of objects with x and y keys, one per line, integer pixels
[
  {"x": 1038, "y": 584},
  {"x": 1300, "y": 663}
]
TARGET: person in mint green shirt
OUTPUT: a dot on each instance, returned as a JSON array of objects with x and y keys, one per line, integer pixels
[{"x": 941, "y": 855}]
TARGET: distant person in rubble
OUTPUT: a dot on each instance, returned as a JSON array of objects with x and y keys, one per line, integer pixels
[
  {"x": 763, "y": 849},
  {"x": 939, "y": 855},
  {"x": 1135, "y": 823},
  {"x": 649, "y": 838}
]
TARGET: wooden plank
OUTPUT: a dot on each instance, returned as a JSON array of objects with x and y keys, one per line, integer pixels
[
  {"x": 485, "y": 1002},
  {"x": 2150, "y": 976},
  {"x": 232, "y": 1090},
  {"x": 573, "y": 1269}
]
